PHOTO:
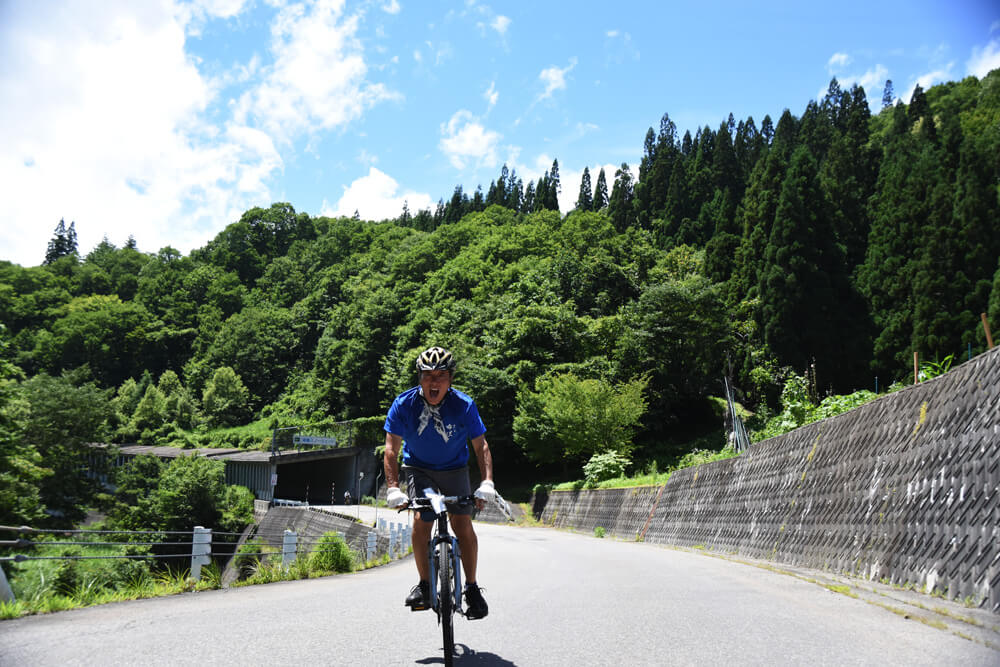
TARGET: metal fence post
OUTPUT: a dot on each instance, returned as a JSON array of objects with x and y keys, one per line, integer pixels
[
  {"x": 6, "y": 595},
  {"x": 288, "y": 546},
  {"x": 201, "y": 550}
]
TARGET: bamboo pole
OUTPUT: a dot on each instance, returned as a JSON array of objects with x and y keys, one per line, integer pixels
[{"x": 986, "y": 328}]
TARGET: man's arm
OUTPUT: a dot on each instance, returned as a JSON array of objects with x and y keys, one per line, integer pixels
[
  {"x": 483, "y": 456},
  {"x": 390, "y": 461},
  {"x": 486, "y": 488}
]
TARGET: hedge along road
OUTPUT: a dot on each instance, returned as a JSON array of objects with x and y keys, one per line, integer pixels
[{"x": 556, "y": 598}]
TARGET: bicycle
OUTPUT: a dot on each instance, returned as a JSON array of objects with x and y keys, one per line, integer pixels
[{"x": 445, "y": 562}]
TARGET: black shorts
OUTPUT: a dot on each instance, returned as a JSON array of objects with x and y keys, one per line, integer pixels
[{"x": 446, "y": 482}]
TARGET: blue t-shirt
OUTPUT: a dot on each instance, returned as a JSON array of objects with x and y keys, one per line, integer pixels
[{"x": 435, "y": 442}]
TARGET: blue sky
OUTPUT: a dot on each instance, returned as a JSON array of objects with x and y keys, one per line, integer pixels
[{"x": 166, "y": 120}]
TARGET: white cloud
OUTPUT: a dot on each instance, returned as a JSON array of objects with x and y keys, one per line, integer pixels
[
  {"x": 391, "y": 7},
  {"x": 984, "y": 60},
  {"x": 554, "y": 79},
  {"x": 318, "y": 78},
  {"x": 872, "y": 80},
  {"x": 500, "y": 24},
  {"x": 492, "y": 95},
  {"x": 612, "y": 33},
  {"x": 465, "y": 141},
  {"x": 376, "y": 197},
  {"x": 102, "y": 125},
  {"x": 194, "y": 14},
  {"x": 927, "y": 80},
  {"x": 838, "y": 61}
]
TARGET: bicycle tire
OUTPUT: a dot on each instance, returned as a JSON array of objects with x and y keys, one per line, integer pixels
[{"x": 446, "y": 602}]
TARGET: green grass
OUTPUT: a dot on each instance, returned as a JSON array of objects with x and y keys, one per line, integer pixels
[
  {"x": 651, "y": 476},
  {"x": 102, "y": 576}
]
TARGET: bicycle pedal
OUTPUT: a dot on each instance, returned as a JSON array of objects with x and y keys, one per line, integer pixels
[{"x": 417, "y": 607}]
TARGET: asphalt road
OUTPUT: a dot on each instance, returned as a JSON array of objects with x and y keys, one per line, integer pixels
[{"x": 556, "y": 598}]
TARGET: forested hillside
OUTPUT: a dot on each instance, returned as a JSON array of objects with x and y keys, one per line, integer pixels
[{"x": 835, "y": 242}]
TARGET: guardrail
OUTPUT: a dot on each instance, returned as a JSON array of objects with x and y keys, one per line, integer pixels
[{"x": 200, "y": 552}]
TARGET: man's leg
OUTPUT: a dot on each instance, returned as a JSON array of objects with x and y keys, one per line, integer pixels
[
  {"x": 461, "y": 524},
  {"x": 476, "y": 606},
  {"x": 419, "y": 597},
  {"x": 421, "y": 537}
]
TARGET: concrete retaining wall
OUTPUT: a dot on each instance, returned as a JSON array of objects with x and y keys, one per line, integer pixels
[
  {"x": 310, "y": 524},
  {"x": 904, "y": 489}
]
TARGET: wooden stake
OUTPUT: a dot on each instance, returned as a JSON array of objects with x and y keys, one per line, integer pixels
[
  {"x": 986, "y": 328},
  {"x": 916, "y": 368}
]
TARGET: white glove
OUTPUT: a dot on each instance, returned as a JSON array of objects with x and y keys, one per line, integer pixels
[
  {"x": 486, "y": 491},
  {"x": 395, "y": 498}
]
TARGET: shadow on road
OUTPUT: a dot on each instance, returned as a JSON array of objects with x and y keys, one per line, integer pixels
[{"x": 466, "y": 656}]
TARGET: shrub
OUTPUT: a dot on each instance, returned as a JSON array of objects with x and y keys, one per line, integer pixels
[
  {"x": 67, "y": 578},
  {"x": 249, "y": 556},
  {"x": 606, "y": 465},
  {"x": 332, "y": 554}
]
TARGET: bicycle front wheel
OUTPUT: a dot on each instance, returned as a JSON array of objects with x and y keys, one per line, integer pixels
[{"x": 446, "y": 601}]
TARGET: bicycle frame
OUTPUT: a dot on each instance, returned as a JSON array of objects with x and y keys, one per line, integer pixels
[{"x": 442, "y": 535}]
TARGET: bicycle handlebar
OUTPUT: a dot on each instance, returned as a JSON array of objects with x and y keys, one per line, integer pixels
[
  {"x": 436, "y": 502},
  {"x": 451, "y": 500}
]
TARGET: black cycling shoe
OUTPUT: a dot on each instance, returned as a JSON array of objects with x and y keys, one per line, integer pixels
[
  {"x": 419, "y": 597},
  {"x": 476, "y": 606}
]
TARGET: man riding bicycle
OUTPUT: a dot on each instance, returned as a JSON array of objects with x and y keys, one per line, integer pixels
[{"x": 432, "y": 423}]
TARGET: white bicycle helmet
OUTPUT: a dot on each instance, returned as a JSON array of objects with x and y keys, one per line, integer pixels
[{"x": 435, "y": 359}]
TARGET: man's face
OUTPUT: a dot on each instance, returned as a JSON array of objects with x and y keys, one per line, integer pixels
[{"x": 435, "y": 385}]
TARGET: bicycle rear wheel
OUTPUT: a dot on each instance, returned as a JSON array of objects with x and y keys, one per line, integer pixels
[{"x": 446, "y": 601}]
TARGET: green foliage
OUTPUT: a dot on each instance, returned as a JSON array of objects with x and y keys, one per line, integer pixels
[
  {"x": 932, "y": 369},
  {"x": 250, "y": 555},
  {"x": 151, "y": 411},
  {"x": 675, "y": 333},
  {"x": 63, "y": 243},
  {"x": 599, "y": 532},
  {"x": 135, "y": 483},
  {"x": 21, "y": 471},
  {"x": 652, "y": 476},
  {"x": 331, "y": 554},
  {"x": 226, "y": 399},
  {"x": 566, "y": 416},
  {"x": 62, "y": 415},
  {"x": 835, "y": 236},
  {"x": 237, "y": 508},
  {"x": 116, "y": 338},
  {"x": 188, "y": 491},
  {"x": 604, "y": 466},
  {"x": 102, "y": 576},
  {"x": 798, "y": 408}
]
